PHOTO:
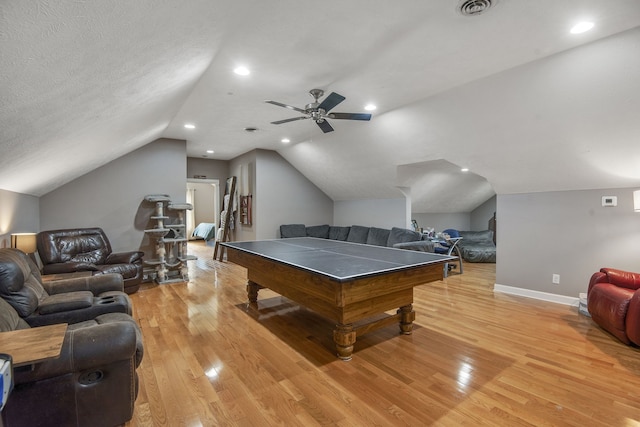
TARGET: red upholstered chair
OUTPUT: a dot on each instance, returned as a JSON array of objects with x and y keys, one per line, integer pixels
[{"x": 613, "y": 300}]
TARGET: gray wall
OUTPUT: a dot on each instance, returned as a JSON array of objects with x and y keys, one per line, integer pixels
[
  {"x": 244, "y": 169},
  {"x": 477, "y": 220},
  {"x": 383, "y": 213},
  {"x": 567, "y": 233},
  {"x": 480, "y": 216},
  {"x": 211, "y": 169},
  {"x": 19, "y": 213},
  {"x": 285, "y": 196},
  {"x": 112, "y": 196},
  {"x": 442, "y": 221}
]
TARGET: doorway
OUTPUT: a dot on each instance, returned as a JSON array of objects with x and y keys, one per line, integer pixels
[{"x": 204, "y": 195}]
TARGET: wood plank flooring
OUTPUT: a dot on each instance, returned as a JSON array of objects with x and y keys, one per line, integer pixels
[{"x": 475, "y": 358}]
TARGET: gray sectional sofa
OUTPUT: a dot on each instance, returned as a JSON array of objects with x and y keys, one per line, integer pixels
[{"x": 399, "y": 238}]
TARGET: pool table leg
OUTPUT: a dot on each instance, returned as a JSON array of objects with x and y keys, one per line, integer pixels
[
  {"x": 345, "y": 337},
  {"x": 252, "y": 291},
  {"x": 407, "y": 316}
]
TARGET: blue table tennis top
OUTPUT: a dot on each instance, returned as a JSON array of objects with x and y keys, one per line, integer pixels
[{"x": 339, "y": 260}]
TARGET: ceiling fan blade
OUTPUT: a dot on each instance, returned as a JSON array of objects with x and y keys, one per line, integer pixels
[
  {"x": 279, "y": 122},
  {"x": 290, "y": 107},
  {"x": 325, "y": 126},
  {"x": 350, "y": 116},
  {"x": 331, "y": 101}
]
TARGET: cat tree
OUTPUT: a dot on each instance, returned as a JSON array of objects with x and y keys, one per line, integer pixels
[{"x": 170, "y": 264}]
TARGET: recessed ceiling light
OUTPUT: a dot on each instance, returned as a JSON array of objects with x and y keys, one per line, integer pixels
[
  {"x": 189, "y": 126},
  {"x": 581, "y": 27},
  {"x": 464, "y": 169},
  {"x": 210, "y": 151},
  {"x": 370, "y": 107},
  {"x": 285, "y": 140},
  {"x": 242, "y": 71}
]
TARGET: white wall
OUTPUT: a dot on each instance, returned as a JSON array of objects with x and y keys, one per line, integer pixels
[
  {"x": 112, "y": 196},
  {"x": 567, "y": 233},
  {"x": 382, "y": 213}
]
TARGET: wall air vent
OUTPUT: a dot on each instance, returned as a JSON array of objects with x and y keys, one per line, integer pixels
[{"x": 474, "y": 7}]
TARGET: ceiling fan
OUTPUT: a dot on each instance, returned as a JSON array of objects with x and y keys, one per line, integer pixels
[{"x": 319, "y": 112}]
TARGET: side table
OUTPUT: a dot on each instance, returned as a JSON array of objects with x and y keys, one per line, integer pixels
[{"x": 30, "y": 346}]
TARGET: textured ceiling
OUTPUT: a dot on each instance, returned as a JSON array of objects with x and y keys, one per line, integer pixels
[{"x": 510, "y": 93}]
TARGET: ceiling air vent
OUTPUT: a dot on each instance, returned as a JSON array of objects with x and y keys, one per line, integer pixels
[{"x": 474, "y": 7}]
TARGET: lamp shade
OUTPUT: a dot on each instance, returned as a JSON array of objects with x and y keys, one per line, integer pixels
[
  {"x": 26, "y": 242},
  {"x": 636, "y": 200}
]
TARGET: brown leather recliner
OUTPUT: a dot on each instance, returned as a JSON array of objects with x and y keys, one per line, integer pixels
[
  {"x": 63, "y": 301},
  {"x": 88, "y": 249},
  {"x": 92, "y": 383},
  {"x": 613, "y": 300}
]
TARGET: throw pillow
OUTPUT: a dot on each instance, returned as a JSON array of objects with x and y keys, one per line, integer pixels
[
  {"x": 378, "y": 236},
  {"x": 321, "y": 231},
  {"x": 293, "y": 230},
  {"x": 358, "y": 234}
]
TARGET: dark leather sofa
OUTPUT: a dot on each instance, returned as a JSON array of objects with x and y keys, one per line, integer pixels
[
  {"x": 62, "y": 301},
  {"x": 92, "y": 383},
  {"x": 613, "y": 301},
  {"x": 399, "y": 238},
  {"x": 88, "y": 249}
]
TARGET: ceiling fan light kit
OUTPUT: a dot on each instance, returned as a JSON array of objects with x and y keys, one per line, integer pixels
[{"x": 319, "y": 111}]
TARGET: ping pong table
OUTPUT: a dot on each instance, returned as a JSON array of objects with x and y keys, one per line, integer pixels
[{"x": 349, "y": 283}]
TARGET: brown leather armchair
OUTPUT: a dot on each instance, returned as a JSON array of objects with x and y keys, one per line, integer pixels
[
  {"x": 63, "y": 301},
  {"x": 92, "y": 383},
  {"x": 87, "y": 249},
  {"x": 613, "y": 300}
]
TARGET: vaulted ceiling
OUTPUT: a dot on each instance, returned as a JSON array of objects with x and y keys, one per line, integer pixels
[{"x": 509, "y": 94}]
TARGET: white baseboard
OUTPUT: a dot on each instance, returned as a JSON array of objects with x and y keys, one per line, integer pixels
[{"x": 528, "y": 293}]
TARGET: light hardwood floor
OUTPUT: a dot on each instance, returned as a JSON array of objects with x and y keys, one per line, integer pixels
[{"x": 475, "y": 358}]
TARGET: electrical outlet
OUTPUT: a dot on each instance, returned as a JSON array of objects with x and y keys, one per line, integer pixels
[{"x": 555, "y": 279}]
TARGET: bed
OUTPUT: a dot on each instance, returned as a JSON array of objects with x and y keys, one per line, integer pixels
[{"x": 205, "y": 230}]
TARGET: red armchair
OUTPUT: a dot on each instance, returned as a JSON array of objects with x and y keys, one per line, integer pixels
[{"x": 613, "y": 300}]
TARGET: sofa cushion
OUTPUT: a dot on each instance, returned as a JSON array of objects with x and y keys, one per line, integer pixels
[
  {"x": 86, "y": 245},
  {"x": 66, "y": 301},
  {"x": 127, "y": 271},
  {"x": 377, "y": 236},
  {"x": 402, "y": 235},
  {"x": 608, "y": 305},
  {"x": 358, "y": 234},
  {"x": 9, "y": 319},
  {"x": 321, "y": 231},
  {"x": 20, "y": 282},
  {"x": 339, "y": 233},
  {"x": 293, "y": 230}
]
